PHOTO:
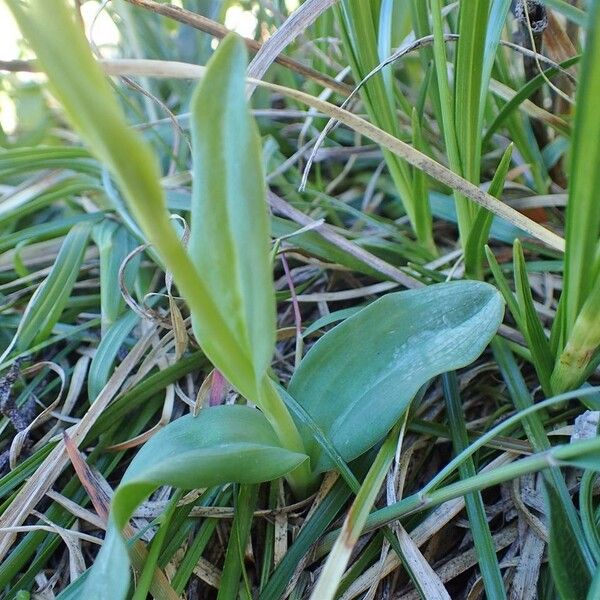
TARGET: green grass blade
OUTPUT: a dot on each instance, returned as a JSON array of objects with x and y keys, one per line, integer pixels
[
  {"x": 482, "y": 537},
  {"x": 540, "y": 442},
  {"x": 236, "y": 548},
  {"x": 479, "y": 234},
  {"x": 338, "y": 558},
  {"x": 468, "y": 82},
  {"x": 583, "y": 209},
  {"x": 49, "y": 300},
  {"x": 569, "y": 571},
  {"x": 359, "y": 28},
  {"x": 534, "y": 332},
  {"x": 114, "y": 244}
]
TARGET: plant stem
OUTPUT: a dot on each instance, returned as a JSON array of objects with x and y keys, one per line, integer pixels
[
  {"x": 301, "y": 479},
  {"x": 558, "y": 456}
]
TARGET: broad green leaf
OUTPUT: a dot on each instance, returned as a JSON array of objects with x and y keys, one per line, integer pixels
[
  {"x": 229, "y": 242},
  {"x": 49, "y": 300},
  {"x": 360, "y": 377},
  {"x": 569, "y": 571},
  {"x": 221, "y": 445}
]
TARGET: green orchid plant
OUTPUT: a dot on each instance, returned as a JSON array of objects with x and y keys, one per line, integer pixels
[{"x": 354, "y": 384}]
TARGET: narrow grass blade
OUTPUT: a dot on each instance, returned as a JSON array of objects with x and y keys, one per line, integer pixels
[
  {"x": 236, "y": 548},
  {"x": 479, "y": 234},
  {"x": 114, "y": 244},
  {"x": 482, "y": 537},
  {"x": 358, "y": 23},
  {"x": 569, "y": 571},
  {"x": 470, "y": 52},
  {"x": 49, "y": 300},
  {"x": 339, "y": 555},
  {"x": 534, "y": 332},
  {"x": 583, "y": 210}
]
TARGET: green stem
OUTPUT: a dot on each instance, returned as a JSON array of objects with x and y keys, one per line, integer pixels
[
  {"x": 558, "y": 456},
  {"x": 579, "y": 357},
  {"x": 301, "y": 479}
]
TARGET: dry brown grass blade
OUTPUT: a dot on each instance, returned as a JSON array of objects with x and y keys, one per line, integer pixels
[
  {"x": 302, "y": 18},
  {"x": 429, "y": 527},
  {"x": 99, "y": 493},
  {"x": 430, "y": 582},
  {"x": 220, "y": 31},
  {"x": 465, "y": 561},
  {"x": 417, "y": 159},
  {"x": 49, "y": 471},
  {"x": 280, "y": 206}
]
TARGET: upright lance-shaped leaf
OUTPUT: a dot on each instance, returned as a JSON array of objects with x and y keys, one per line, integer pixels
[
  {"x": 79, "y": 83},
  {"x": 229, "y": 243},
  {"x": 222, "y": 444},
  {"x": 360, "y": 377}
]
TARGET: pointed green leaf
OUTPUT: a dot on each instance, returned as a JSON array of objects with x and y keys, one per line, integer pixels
[
  {"x": 229, "y": 243},
  {"x": 221, "y": 445},
  {"x": 533, "y": 331},
  {"x": 479, "y": 234},
  {"x": 360, "y": 377},
  {"x": 583, "y": 209},
  {"x": 84, "y": 92},
  {"x": 114, "y": 244},
  {"x": 49, "y": 300}
]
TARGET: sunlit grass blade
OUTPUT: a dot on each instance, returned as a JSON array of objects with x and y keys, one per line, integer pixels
[
  {"x": 358, "y": 23},
  {"x": 79, "y": 83},
  {"x": 49, "y": 300}
]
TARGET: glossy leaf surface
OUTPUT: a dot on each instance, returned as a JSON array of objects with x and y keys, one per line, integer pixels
[
  {"x": 221, "y": 445},
  {"x": 229, "y": 244},
  {"x": 360, "y": 377}
]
